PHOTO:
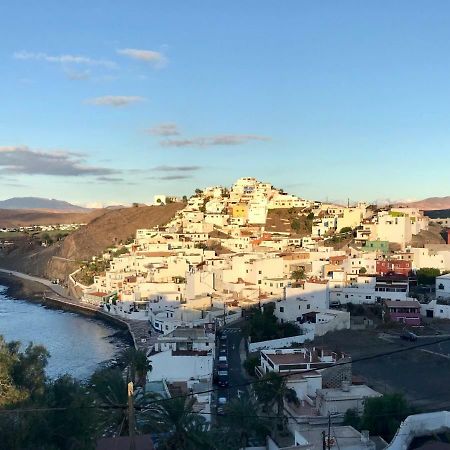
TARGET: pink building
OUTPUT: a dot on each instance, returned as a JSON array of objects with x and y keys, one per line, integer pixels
[{"x": 407, "y": 312}]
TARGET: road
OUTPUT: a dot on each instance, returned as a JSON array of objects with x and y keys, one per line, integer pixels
[
  {"x": 235, "y": 355},
  {"x": 60, "y": 290}
]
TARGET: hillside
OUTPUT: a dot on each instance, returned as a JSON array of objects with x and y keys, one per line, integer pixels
[
  {"x": 22, "y": 217},
  {"x": 430, "y": 236},
  {"x": 113, "y": 227},
  {"x": 292, "y": 220},
  {"x": 103, "y": 230},
  {"x": 40, "y": 203},
  {"x": 431, "y": 203}
]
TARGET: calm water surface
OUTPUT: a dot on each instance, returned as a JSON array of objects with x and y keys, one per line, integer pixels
[{"x": 77, "y": 344}]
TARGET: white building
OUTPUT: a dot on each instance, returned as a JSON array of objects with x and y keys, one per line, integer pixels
[{"x": 443, "y": 286}]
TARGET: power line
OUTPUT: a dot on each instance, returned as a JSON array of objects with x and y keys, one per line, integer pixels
[{"x": 287, "y": 375}]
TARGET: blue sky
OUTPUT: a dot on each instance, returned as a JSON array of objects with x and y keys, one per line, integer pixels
[{"x": 117, "y": 101}]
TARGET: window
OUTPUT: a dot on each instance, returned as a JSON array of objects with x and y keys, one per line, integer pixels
[
  {"x": 281, "y": 308},
  {"x": 346, "y": 295},
  {"x": 441, "y": 286},
  {"x": 308, "y": 306},
  {"x": 368, "y": 297}
]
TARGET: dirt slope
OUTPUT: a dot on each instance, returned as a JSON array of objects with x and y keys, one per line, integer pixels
[
  {"x": 60, "y": 259},
  {"x": 431, "y": 203},
  {"x": 24, "y": 217}
]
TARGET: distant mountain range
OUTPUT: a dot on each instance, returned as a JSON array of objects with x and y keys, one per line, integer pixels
[
  {"x": 431, "y": 204},
  {"x": 40, "y": 203}
]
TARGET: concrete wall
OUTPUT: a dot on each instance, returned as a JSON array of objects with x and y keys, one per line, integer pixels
[
  {"x": 279, "y": 343},
  {"x": 419, "y": 425}
]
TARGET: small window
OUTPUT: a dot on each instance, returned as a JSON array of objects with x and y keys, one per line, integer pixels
[
  {"x": 308, "y": 306},
  {"x": 441, "y": 287},
  {"x": 281, "y": 308},
  {"x": 368, "y": 297}
]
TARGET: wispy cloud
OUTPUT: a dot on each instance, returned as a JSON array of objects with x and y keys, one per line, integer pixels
[
  {"x": 64, "y": 59},
  {"x": 171, "y": 177},
  {"x": 165, "y": 129},
  {"x": 176, "y": 168},
  {"x": 78, "y": 75},
  {"x": 107, "y": 179},
  {"x": 115, "y": 100},
  {"x": 157, "y": 59},
  {"x": 23, "y": 160},
  {"x": 220, "y": 140}
]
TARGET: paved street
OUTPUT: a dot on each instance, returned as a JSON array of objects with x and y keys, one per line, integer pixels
[{"x": 235, "y": 370}]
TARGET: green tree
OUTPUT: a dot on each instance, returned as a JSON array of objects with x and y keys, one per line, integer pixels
[
  {"x": 352, "y": 418},
  {"x": 298, "y": 274},
  {"x": 185, "y": 199},
  {"x": 272, "y": 391},
  {"x": 63, "y": 420},
  {"x": 383, "y": 415},
  {"x": 296, "y": 224},
  {"x": 241, "y": 418},
  {"x": 137, "y": 364},
  {"x": 111, "y": 397},
  {"x": 427, "y": 275},
  {"x": 184, "y": 428},
  {"x": 346, "y": 230},
  {"x": 250, "y": 365},
  {"x": 363, "y": 270}
]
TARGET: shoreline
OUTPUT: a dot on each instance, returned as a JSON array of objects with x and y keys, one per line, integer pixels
[{"x": 32, "y": 291}]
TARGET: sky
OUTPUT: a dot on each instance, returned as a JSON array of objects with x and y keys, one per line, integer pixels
[{"x": 106, "y": 102}]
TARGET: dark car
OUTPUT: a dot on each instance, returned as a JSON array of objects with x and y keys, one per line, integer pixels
[
  {"x": 222, "y": 377},
  {"x": 408, "y": 336},
  {"x": 222, "y": 365}
]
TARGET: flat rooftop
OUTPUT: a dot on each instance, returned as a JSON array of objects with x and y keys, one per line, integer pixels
[{"x": 359, "y": 391}]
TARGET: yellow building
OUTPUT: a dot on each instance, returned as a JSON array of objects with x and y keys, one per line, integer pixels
[{"x": 240, "y": 211}]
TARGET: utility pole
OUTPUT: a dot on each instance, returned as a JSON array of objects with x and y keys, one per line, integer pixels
[
  {"x": 329, "y": 431},
  {"x": 324, "y": 442},
  {"x": 131, "y": 429}
]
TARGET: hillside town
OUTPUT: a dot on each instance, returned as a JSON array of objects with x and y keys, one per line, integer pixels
[{"x": 233, "y": 256}]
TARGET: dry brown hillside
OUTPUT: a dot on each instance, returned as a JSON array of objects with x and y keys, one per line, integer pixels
[
  {"x": 293, "y": 220},
  {"x": 63, "y": 257},
  {"x": 25, "y": 217},
  {"x": 111, "y": 228}
]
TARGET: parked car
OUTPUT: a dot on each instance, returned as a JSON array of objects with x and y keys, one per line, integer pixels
[
  {"x": 222, "y": 365},
  {"x": 222, "y": 358},
  {"x": 221, "y": 402},
  {"x": 408, "y": 336},
  {"x": 222, "y": 377}
]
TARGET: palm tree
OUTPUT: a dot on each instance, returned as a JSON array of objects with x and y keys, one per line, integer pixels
[
  {"x": 241, "y": 417},
  {"x": 138, "y": 365},
  {"x": 185, "y": 428},
  {"x": 111, "y": 397},
  {"x": 272, "y": 391}
]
